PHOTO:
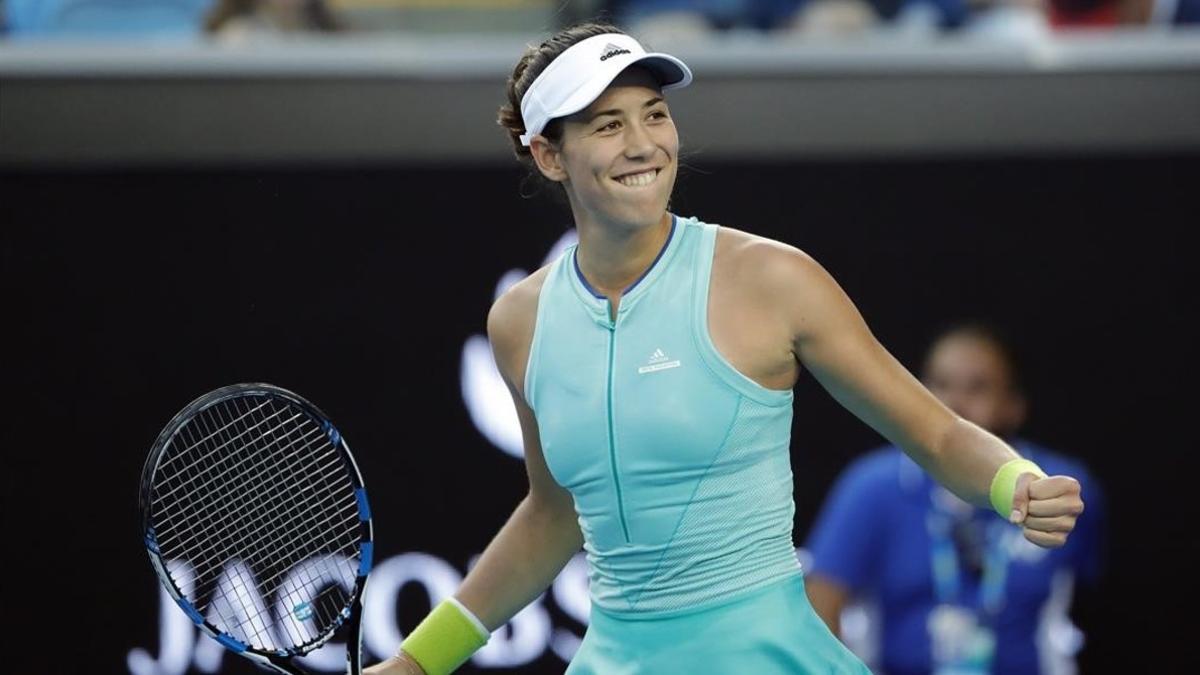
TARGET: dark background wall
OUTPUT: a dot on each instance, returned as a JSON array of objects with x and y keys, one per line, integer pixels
[{"x": 128, "y": 293}]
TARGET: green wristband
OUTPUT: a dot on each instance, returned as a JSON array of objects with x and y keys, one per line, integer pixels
[
  {"x": 444, "y": 640},
  {"x": 1004, "y": 484}
]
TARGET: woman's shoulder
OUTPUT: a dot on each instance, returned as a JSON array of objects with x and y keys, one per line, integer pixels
[
  {"x": 512, "y": 317},
  {"x": 761, "y": 261},
  {"x": 754, "y": 249}
]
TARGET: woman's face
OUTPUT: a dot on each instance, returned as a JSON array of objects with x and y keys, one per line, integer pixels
[{"x": 617, "y": 157}]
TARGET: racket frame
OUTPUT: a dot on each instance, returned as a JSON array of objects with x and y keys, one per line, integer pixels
[{"x": 279, "y": 660}]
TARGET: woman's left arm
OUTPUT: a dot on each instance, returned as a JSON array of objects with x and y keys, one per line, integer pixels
[{"x": 830, "y": 338}]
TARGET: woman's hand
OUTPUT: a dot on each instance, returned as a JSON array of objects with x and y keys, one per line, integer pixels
[
  {"x": 400, "y": 664},
  {"x": 1046, "y": 508}
]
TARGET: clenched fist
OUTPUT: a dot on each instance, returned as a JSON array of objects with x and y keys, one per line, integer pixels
[{"x": 1046, "y": 508}]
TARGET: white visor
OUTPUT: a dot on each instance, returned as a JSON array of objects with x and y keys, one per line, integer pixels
[{"x": 579, "y": 75}]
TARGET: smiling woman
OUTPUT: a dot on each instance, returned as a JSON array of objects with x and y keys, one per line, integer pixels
[
  {"x": 546, "y": 110},
  {"x": 652, "y": 367},
  {"x": 617, "y": 160}
]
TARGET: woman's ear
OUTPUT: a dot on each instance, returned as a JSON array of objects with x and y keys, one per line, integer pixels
[{"x": 548, "y": 158}]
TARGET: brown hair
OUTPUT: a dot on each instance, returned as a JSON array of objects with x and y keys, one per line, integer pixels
[
  {"x": 316, "y": 15},
  {"x": 533, "y": 62}
]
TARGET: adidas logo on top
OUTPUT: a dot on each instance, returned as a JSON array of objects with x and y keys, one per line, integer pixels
[
  {"x": 611, "y": 50},
  {"x": 658, "y": 361}
]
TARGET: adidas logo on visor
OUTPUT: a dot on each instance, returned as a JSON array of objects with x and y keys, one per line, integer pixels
[{"x": 611, "y": 50}]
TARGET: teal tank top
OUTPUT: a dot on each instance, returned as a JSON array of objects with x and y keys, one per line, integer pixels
[{"x": 678, "y": 464}]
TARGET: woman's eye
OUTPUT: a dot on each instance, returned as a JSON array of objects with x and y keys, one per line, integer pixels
[
  {"x": 658, "y": 115},
  {"x": 611, "y": 126}
]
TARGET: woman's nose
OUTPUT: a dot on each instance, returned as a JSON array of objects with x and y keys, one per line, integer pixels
[{"x": 638, "y": 142}]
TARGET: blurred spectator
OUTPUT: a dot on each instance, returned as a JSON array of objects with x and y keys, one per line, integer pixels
[
  {"x": 457, "y": 17},
  {"x": 817, "y": 18},
  {"x": 676, "y": 19},
  {"x": 715, "y": 14},
  {"x": 104, "y": 18},
  {"x": 1108, "y": 13},
  {"x": 954, "y": 588},
  {"x": 1018, "y": 20},
  {"x": 835, "y": 18},
  {"x": 242, "y": 20}
]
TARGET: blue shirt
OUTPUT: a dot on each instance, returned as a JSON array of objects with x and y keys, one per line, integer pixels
[{"x": 873, "y": 536}]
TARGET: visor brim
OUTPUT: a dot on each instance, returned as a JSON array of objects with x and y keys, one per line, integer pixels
[{"x": 670, "y": 72}]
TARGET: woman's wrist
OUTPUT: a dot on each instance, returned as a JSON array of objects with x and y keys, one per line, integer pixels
[
  {"x": 408, "y": 663},
  {"x": 445, "y": 639},
  {"x": 1004, "y": 484}
]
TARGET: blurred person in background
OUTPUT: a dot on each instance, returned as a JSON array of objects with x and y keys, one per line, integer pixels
[
  {"x": 1073, "y": 14},
  {"x": 680, "y": 19},
  {"x": 672, "y": 19},
  {"x": 955, "y": 589},
  {"x": 244, "y": 20},
  {"x": 841, "y": 18},
  {"x": 659, "y": 19},
  {"x": 1032, "y": 19},
  {"x": 675, "y": 20}
]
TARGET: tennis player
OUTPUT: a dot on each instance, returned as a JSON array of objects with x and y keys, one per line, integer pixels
[{"x": 652, "y": 368}]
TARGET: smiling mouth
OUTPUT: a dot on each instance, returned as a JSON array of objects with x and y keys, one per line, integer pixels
[{"x": 640, "y": 179}]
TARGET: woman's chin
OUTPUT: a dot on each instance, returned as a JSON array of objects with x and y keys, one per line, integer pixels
[
  {"x": 644, "y": 211},
  {"x": 630, "y": 211},
  {"x": 642, "y": 218}
]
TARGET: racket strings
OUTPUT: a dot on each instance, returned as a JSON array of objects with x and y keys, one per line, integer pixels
[
  {"x": 331, "y": 498},
  {"x": 255, "y": 496},
  {"x": 206, "y": 455},
  {"x": 208, "y": 511},
  {"x": 306, "y": 497},
  {"x": 254, "y": 512},
  {"x": 201, "y": 509},
  {"x": 292, "y": 469},
  {"x": 184, "y": 453}
]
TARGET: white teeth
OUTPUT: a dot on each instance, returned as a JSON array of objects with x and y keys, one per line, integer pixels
[{"x": 638, "y": 179}]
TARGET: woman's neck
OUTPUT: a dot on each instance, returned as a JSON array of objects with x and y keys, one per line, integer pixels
[{"x": 614, "y": 258}]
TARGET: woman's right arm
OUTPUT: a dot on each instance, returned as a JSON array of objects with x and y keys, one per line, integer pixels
[
  {"x": 542, "y": 534},
  {"x": 531, "y": 549}
]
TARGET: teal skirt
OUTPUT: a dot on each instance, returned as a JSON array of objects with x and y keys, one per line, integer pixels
[{"x": 768, "y": 631}]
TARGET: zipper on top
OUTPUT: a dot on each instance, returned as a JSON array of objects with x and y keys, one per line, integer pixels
[
  {"x": 609, "y": 322},
  {"x": 612, "y": 435}
]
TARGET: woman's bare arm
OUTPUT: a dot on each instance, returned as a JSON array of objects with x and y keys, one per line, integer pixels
[
  {"x": 831, "y": 339},
  {"x": 530, "y": 549},
  {"x": 542, "y": 533}
]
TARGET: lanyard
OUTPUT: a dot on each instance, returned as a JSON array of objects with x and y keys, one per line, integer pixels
[
  {"x": 947, "y": 568},
  {"x": 961, "y": 625}
]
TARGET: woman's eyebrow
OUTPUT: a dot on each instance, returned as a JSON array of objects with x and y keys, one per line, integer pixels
[{"x": 616, "y": 111}]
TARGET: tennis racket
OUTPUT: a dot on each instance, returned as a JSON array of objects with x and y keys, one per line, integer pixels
[{"x": 256, "y": 521}]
